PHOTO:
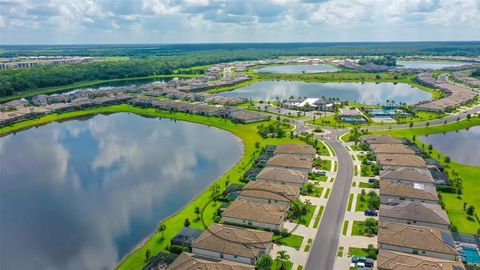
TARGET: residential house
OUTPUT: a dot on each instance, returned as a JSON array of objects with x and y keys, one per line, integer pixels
[
  {"x": 390, "y": 260},
  {"x": 399, "y": 160},
  {"x": 416, "y": 213},
  {"x": 303, "y": 150},
  {"x": 290, "y": 162},
  {"x": 407, "y": 175},
  {"x": 255, "y": 214},
  {"x": 270, "y": 192},
  {"x": 425, "y": 241},
  {"x": 391, "y": 148},
  {"x": 380, "y": 139},
  {"x": 392, "y": 191},
  {"x": 233, "y": 243},
  {"x": 282, "y": 175},
  {"x": 188, "y": 261}
]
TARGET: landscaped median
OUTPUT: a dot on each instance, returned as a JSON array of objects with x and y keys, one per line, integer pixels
[{"x": 246, "y": 132}]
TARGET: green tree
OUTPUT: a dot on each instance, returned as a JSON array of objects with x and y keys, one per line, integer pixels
[
  {"x": 282, "y": 258},
  {"x": 471, "y": 210},
  {"x": 148, "y": 255},
  {"x": 197, "y": 212},
  {"x": 370, "y": 226},
  {"x": 265, "y": 262},
  {"x": 214, "y": 191},
  {"x": 161, "y": 229},
  {"x": 186, "y": 223}
]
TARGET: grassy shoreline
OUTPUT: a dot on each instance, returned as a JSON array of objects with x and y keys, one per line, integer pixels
[{"x": 247, "y": 133}]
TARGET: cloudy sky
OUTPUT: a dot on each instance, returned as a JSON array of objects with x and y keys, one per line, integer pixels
[{"x": 203, "y": 21}]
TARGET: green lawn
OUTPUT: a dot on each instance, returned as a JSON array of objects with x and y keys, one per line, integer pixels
[
  {"x": 319, "y": 216},
  {"x": 327, "y": 193},
  {"x": 340, "y": 252},
  {"x": 293, "y": 240},
  {"x": 248, "y": 134},
  {"x": 363, "y": 185},
  {"x": 361, "y": 206},
  {"x": 276, "y": 265},
  {"x": 316, "y": 177},
  {"x": 367, "y": 171},
  {"x": 305, "y": 220},
  {"x": 345, "y": 227},
  {"x": 359, "y": 252},
  {"x": 350, "y": 201},
  {"x": 317, "y": 192},
  {"x": 357, "y": 228}
]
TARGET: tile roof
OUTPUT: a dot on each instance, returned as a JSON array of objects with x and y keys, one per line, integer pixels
[
  {"x": 373, "y": 139},
  {"x": 283, "y": 175},
  {"x": 295, "y": 149},
  {"x": 410, "y": 190},
  {"x": 408, "y": 174},
  {"x": 415, "y": 211},
  {"x": 390, "y": 260},
  {"x": 401, "y": 160},
  {"x": 416, "y": 237},
  {"x": 255, "y": 211},
  {"x": 270, "y": 191},
  {"x": 291, "y": 161},
  {"x": 188, "y": 261},
  {"x": 391, "y": 148},
  {"x": 233, "y": 240}
]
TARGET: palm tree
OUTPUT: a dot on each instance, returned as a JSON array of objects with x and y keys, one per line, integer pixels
[
  {"x": 197, "y": 212},
  {"x": 282, "y": 258},
  {"x": 265, "y": 262},
  {"x": 161, "y": 229}
]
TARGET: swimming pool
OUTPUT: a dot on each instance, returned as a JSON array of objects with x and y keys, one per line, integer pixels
[{"x": 470, "y": 255}]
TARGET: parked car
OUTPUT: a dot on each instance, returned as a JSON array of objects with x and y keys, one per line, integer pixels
[
  {"x": 322, "y": 173},
  {"x": 356, "y": 259},
  {"x": 371, "y": 213},
  {"x": 369, "y": 262},
  {"x": 371, "y": 180}
]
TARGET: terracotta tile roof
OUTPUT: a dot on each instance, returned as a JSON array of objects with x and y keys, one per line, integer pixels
[
  {"x": 391, "y": 148},
  {"x": 233, "y": 240},
  {"x": 267, "y": 190},
  {"x": 255, "y": 211},
  {"x": 374, "y": 139},
  {"x": 416, "y": 237},
  {"x": 410, "y": 190},
  {"x": 282, "y": 175},
  {"x": 408, "y": 174},
  {"x": 390, "y": 260},
  {"x": 417, "y": 211},
  {"x": 188, "y": 261},
  {"x": 401, "y": 160},
  {"x": 296, "y": 149},
  {"x": 290, "y": 161}
]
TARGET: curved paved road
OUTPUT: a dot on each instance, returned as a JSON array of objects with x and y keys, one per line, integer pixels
[{"x": 324, "y": 249}]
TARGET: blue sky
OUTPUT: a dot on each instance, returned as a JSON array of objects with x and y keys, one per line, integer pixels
[{"x": 204, "y": 21}]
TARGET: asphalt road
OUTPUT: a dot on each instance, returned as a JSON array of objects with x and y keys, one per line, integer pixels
[{"x": 324, "y": 250}]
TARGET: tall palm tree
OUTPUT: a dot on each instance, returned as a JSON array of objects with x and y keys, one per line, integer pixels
[
  {"x": 265, "y": 262},
  {"x": 283, "y": 258},
  {"x": 161, "y": 229}
]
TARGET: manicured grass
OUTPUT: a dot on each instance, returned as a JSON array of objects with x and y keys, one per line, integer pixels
[
  {"x": 299, "y": 267},
  {"x": 357, "y": 228},
  {"x": 330, "y": 148},
  {"x": 305, "y": 220},
  {"x": 308, "y": 245},
  {"x": 248, "y": 134},
  {"x": 340, "y": 252},
  {"x": 320, "y": 178},
  {"x": 367, "y": 171},
  {"x": 335, "y": 166},
  {"x": 359, "y": 252},
  {"x": 317, "y": 192},
  {"x": 361, "y": 206},
  {"x": 354, "y": 184},
  {"x": 345, "y": 227},
  {"x": 326, "y": 165},
  {"x": 350, "y": 201},
  {"x": 364, "y": 185},
  {"x": 327, "y": 193},
  {"x": 293, "y": 240},
  {"x": 319, "y": 216},
  {"x": 276, "y": 265}
]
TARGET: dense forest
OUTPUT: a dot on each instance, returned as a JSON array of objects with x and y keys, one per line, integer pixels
[{"x": 146, "y": 60}]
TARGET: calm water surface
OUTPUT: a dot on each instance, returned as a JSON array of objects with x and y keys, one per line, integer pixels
[
  {"x": 462, "y": 145},
  {"x": 81, "y": 194},
  {"x": 298, "y": 69},
  {"x": 430, "y": 64},
  {"x": 365, "y": 93}
]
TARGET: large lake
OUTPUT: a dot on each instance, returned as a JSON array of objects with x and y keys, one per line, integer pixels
[
  {"x": 462, "y": 146},
  {"x": 365, "y": 93},
  {"x": 430, "y": 64},
  {"x": 82, "y": 194},
  {"x": 298, "y": 69}
]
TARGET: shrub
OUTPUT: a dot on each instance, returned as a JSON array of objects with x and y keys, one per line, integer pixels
[{"x": 176, "y": 249}]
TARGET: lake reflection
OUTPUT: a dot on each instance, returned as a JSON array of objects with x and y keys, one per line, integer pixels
[
  {"x": 429, "y": 64},
  {"x": 365, "y": 93},
  {"x": 298, "y": 69},
  {"x": 81, "y": 194},
  {"x": 462, "y": 146}
]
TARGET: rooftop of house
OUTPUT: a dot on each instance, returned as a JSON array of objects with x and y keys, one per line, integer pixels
[
  {"x": 390, "y": 260},
  {"x": 270, "y": 191},
  {"x": 382, "y": 139},
  {"x": 414, "y": 190},
  {"x": 255, "y": 211},
  {"x": 401, "y": 160},
  {"x": 291, "y": 161},
  {"x": 417, "y": 211},
  {"x": 233, "y": 240},
  {"x": 408, "y": 174},
  {"x": 282, "y": 174},
  {"x": 416, "y": 237},
  {"x": 188, "y": 261},
  {"x": 300, "y": 149},
  {"x": 187, "y": 235},
  {"x": 391, "y": 148}
]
